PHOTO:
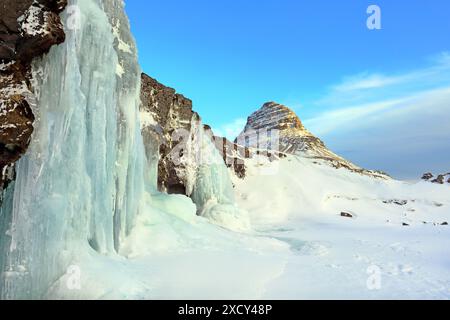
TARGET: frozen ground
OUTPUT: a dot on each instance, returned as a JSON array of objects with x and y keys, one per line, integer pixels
[
  {"x": 334, "y": 257},
  {"x": 299, "y": 247}
]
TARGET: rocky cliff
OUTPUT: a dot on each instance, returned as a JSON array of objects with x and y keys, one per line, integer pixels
[
  {"x": 28, "y": 28},
  {"x": 165, "y": 116}
]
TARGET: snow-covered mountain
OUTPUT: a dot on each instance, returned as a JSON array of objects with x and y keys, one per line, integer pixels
[{"x": 279, "y": 123}]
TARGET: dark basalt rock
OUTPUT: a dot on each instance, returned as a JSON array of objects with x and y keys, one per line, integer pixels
[
  {"x": 46, "y": 31},
  {"x": 397, "y": 202},
  {"x": 427, "y": 176},
  {"x": 439, "y": 180},
  {"x": 28, "y": 29},
  {"x": 346, "y": 215}
]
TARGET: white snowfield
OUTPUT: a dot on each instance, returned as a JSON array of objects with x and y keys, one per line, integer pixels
[
  {"x": 396, "y": 246},
  {"x": 299, "y": 247}
]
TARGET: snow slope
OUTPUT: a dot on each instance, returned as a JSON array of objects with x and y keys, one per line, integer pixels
[{"x": 395, "y": 233}]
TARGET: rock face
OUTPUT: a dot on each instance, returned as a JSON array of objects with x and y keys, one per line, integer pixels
[
  {"x": 28, "y": 29},
  {"x": 277, "y": 128},
  {"x": 165, "y": 116}
]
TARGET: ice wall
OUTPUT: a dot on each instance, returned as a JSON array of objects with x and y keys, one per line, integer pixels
[{"x": 79, "y": 186}]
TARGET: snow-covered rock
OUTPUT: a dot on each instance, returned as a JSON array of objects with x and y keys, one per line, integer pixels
[{"x": 28, "y": 29}]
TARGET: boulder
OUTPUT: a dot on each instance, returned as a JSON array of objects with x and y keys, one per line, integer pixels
[
  {"x": 427, "y": 176},
  {"x": 346, "y": 215}
]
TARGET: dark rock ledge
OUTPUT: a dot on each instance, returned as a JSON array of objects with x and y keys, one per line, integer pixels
[{"x": 28, "y": 29}]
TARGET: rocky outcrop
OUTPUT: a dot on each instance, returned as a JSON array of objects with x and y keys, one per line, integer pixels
[
  {"x": 28, "y": 28},
  {"x": 167, "y": 117},
  {"x": 440, "y": 179},
  {"x": 236, "y": 156},
  {"x": 427, "y": 176},
  {"x": 277, "y": 128}
]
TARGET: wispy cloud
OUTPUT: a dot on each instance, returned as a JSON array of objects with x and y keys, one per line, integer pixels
[
  {"x": 365, "y": 81},
  {"x": 398, "y": 122},
  {"x": 231, "y": 130},
  {"x": 369, "y": 87}
]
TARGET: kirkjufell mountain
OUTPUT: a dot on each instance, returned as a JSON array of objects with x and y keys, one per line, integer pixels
[
  {"x": 112, "y": 186},
  {"x": 292, "y": 137}
]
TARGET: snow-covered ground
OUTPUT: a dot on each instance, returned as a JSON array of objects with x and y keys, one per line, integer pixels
[
  {"x": 300, "y": 246},
  {"x": 394, "y": 247}
]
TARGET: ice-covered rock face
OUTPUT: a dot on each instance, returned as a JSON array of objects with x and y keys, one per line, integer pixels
[
  {"x": 278, "y": 128},
  {"x": 80, "y": 185},
  {"x": 163, "y": 113},
  {"x": 28, "y": 29}
]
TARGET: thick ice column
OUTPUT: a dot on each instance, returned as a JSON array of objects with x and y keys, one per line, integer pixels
[
  {"x": 80, "y": 185},
  {"x": 131, "y": 162}
]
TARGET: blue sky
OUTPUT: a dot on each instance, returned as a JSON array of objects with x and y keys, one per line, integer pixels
[{"x": 345, "y": 82}]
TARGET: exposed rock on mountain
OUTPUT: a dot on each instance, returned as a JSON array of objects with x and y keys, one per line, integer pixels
[
  {"x": 235, "y": 155},
  {"x": 28, "y": 29},
  {"x": 276, "y": 127},
  {"x": 427, "y": 176},
  {"x": 440, "y": 179}
]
